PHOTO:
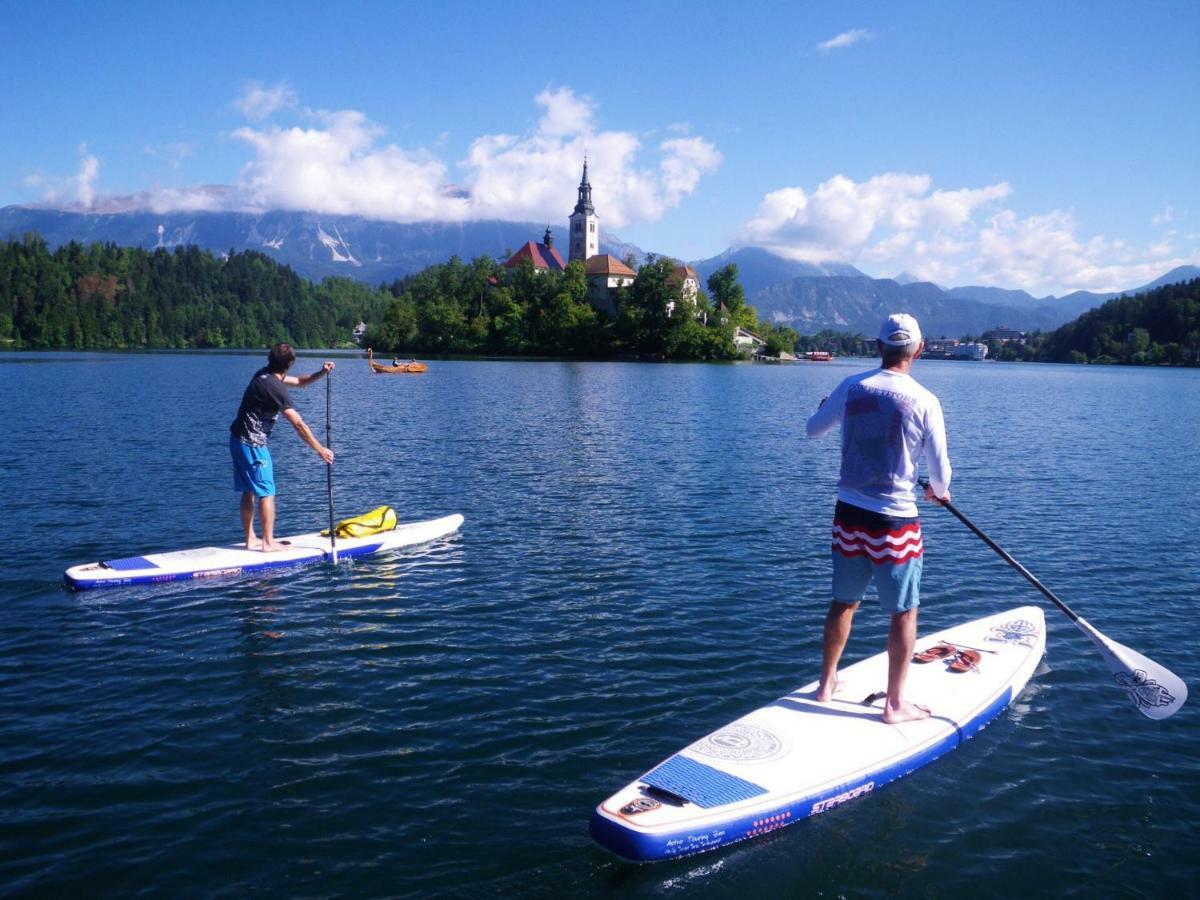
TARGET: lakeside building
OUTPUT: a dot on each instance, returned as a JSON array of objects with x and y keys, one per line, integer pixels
[
  {"x": 952, "y": 348},
  {"x": 1002, "y": 334},
  {"x": 605, "y": 276},
  {"x": 748, "y": 340},
  {"x": 971, "y": 350}
]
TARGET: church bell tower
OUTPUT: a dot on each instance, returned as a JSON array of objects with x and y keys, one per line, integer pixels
[{"x": 585, "y": 224}]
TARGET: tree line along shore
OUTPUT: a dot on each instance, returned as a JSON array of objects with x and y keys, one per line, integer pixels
[{"x": 106, "y": 297}]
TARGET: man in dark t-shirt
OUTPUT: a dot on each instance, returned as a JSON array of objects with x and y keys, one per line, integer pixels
[{"x": 253, "y": 473}]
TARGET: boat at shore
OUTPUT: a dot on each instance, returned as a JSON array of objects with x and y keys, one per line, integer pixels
[{"x": 409, "y": 368}]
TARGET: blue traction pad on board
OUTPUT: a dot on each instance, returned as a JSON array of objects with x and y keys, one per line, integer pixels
[
  {"x": 700, "y": 784},
  {"x": 129, "y": 564}
]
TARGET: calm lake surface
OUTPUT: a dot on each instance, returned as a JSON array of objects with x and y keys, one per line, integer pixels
[{"x": 644, "y": 558}]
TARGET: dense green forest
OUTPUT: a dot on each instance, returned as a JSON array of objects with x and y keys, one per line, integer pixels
[
  {"x": 481, "y": 307},
  {"x": 101, "y": 296},
  {"x": 1159, "y": 327}
]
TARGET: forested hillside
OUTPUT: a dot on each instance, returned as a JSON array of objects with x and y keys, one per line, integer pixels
[
  {"x": 101, "y": 296},
  {"x": 1160, "y": 327}
]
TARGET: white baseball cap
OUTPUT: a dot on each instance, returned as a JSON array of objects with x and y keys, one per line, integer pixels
[{"x": 900, "y": 330}]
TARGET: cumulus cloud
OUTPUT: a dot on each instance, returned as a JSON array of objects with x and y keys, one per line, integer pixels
[
  {"x": 534, "y": 176},
  {"x": 895, "y": 222},
  {"x": 842, "y": 218},
  {"x": 1044, "y": 252},
  {"x": 338, "y": 166},
  {"x": 845, "y": 39},
  {"x": 339, "y": 162},
  {"x": 258, "y": 101}
]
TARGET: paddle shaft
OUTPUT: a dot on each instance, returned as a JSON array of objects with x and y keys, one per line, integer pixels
[
  {"x": 1007, "y": 557},
  {"x": 329, "y": 466},
  {"x": 1155, "y": 690}
]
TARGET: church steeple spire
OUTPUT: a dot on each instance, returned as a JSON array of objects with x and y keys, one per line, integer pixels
[
  {"x": 584, "y": 205},
  {"x": 585, "y": 224}
]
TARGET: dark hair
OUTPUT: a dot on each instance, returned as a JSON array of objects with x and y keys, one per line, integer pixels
[{"x": 281, "y": 357}]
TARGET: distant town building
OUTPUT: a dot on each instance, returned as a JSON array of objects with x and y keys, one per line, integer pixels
[
  {"x": 605, "y": 276},
  {"x": 1003, "y": 334},
  {"x": 940, "y": 348},
  {"x": 971, "y": 350},
  {"x": 544, "y": 256}
]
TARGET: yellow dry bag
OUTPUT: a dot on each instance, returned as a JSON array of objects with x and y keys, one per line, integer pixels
[{"x": 376, "y": 521}]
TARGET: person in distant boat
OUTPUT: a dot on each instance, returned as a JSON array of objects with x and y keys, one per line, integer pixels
[
  {"x": 253, "y": 474},
  {"x": 889, "y": 423},
  {"x": 395, "y": 361}
]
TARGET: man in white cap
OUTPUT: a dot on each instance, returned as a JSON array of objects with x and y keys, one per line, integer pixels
[{"x": 889, "y": 423}]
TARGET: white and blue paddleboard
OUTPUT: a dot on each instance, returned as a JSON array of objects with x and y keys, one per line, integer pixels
[
  {"x": 235, "y": 559},
  {"x": 795, "y": 757}
]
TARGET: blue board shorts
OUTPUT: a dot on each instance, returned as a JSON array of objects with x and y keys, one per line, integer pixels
[
  {"x": 253, "y": 471},
  {"x": 869, "y": 546}
]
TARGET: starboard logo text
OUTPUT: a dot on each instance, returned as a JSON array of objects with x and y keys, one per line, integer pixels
[{"x": 841, "y": 798}]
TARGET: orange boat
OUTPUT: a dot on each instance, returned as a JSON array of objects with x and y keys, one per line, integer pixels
[{"x": 409, "y": 368}]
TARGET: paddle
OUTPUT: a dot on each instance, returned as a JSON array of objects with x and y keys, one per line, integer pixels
[
  {"x": 1157, "y": 692},
  {"x": 329, "y": 466}
]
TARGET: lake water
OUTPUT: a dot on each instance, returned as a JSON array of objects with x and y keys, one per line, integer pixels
[{"x": 644, "y": 558}]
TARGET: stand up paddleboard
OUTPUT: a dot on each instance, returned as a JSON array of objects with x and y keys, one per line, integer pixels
[
  {"x": 210, "y": 562},
  {"x": 795, "y": 757}
]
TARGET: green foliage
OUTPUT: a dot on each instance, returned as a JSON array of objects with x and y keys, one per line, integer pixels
[
  {"x": 1160, "y": 327},
  {"x": 102, "y": 296}
]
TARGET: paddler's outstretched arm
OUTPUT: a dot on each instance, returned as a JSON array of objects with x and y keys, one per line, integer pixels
[
  {"x": 829, "y": 412},
  {"x": 306, "y": 380},
  {"x": 307, "y": 436}
]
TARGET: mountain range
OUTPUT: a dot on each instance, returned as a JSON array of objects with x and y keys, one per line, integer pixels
[{"x": 806, "y": 296}]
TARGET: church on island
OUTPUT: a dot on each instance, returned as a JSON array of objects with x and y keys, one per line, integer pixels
[{"x": 605, "y": 273}]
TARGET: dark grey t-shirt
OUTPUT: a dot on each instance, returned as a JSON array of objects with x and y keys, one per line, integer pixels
[{"x": 265, "y": 398}]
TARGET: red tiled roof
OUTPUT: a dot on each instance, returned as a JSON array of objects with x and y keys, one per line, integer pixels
[
  {"x": 543, "y": 257},
  {"x": 683, "y": 273},
  {"x": 606, "y": 264}
]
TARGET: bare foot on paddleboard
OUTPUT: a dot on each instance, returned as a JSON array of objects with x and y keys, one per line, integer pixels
[
  {"x": 907, "y": 712},
  {"x": 274, "y": 546},
  {"x": 825, "y": 692}
]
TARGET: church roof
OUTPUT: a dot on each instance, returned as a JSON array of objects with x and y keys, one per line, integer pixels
[
  {"x": 606, "y": 264},
  {"x": 543, "y": 257},
  {"x": 683, "y": 273}
]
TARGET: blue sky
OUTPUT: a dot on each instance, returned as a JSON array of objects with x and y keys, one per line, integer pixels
[{"x": 1044, "y": 146}]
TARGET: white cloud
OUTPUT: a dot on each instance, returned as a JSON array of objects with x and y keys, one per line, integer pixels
[
  {"x": 1165, "y": 217},
  {"x": 1044, "y": 253},
  {"x": 894, "y": 222},
  {"x": 339, "y": 162},
  {"x": 841, "y": 218},
  {"x": 259, "y": 101},
  {"x": 535, "y": 176},
  {"x": 76, "y": 191},
  {"x": 845, "y": 39},
  {"x": 338, "y": 167}
]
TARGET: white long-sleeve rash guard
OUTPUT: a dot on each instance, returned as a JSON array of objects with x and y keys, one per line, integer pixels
[{"x": 889, "y": 421}]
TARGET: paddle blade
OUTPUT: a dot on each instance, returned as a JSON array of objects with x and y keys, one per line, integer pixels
[{"x": 1157, "y": 692}]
